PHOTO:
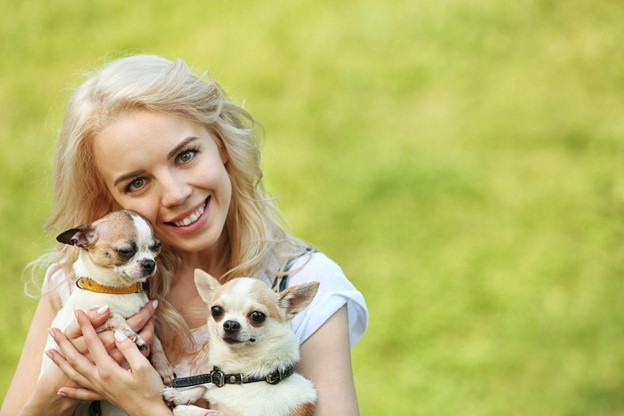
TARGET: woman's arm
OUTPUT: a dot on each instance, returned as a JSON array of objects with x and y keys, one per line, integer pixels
[
  {"x": 326, "y": 361},
  {"x": 26, "y": 395}
]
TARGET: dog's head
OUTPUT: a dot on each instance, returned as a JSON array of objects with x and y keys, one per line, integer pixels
[
  {"x": 122, "y": 242},
  {"x": 245, "y": 311}
]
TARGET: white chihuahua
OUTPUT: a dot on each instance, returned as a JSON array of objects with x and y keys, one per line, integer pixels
[
  {"x": 252, "y": 350},
  {"x": 116, "y": 257}
]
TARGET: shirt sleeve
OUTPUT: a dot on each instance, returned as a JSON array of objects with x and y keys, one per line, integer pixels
[
  {"x": 55, "y": 279},
  {"x": 334, "y": 292}
]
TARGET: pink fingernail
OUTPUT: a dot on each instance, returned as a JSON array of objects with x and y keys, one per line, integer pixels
[
  {"x": 102, "y": 310},
  {"x": 120, "y": 336},
  {"x": 154, "y": 304},
  {"x": 51, "y": 332},
  {"x": 48, "y": 353},
  {"x": 61, "y": 393}
]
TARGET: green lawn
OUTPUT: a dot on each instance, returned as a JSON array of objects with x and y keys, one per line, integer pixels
[{"x": 462, "y": 160}]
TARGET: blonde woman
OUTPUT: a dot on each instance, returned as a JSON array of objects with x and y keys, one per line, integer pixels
[{"x": 145, "y": 133}]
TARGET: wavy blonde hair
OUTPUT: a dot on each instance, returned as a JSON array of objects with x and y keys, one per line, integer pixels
[{"x": 258, "y": 242}]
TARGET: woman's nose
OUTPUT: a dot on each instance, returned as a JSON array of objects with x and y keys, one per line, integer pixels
[{"x": 175, "y": 190}]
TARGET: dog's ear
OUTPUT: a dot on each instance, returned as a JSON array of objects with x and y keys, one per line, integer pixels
[
  {"x": 82, "y": 236},
  {"x": 206, "y": 285},
  {"x": 297, "y": 298}
]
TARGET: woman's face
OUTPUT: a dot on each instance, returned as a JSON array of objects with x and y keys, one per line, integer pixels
[{"x": 170, "y": 170}]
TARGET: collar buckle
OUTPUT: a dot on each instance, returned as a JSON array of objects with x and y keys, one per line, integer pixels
[
  {"x": 274, "y": 377},
  {"x": 217, "y": 377}
]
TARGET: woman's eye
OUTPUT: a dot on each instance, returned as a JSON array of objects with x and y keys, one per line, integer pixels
[
  {"x": 135, "y": 185},
  {"x": 186, "y": 156}
]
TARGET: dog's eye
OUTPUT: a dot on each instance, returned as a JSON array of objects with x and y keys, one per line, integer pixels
[
  {"x": 127, "y": 252},
  {"x": 216, "y": 311},
  {"x": 155, "y": 246},
  {"x": 257, "y": 317}
]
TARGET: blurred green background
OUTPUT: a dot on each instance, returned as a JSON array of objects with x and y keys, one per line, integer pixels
[{"x": 462, "y": 160}]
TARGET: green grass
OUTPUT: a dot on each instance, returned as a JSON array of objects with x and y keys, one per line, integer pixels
[{"x": 461, "y": 160}]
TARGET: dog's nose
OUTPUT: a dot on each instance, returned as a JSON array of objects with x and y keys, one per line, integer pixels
[
  {"x": 148, "y": 265},
  {"x": 231, "y": 327}
]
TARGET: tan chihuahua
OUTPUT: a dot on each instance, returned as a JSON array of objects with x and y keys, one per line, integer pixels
[
  {"x": 252, "y": 350},
  {"x": 117, "y": 255}
]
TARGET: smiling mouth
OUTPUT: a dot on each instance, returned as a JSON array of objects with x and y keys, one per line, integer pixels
[{"x": 191, "y": 219}]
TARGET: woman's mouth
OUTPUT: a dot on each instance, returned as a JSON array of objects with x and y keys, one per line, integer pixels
[{"x": 191, "y": 218}]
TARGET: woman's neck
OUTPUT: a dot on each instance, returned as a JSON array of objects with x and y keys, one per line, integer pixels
[
  {"x": 183, "y": 294},
  {"x": 213, "y": 260}
]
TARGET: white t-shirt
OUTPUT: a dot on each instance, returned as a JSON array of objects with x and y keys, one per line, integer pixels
[{"x": 334, "y": 292}]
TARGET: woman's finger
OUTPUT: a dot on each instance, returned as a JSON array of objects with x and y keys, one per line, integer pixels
[
  {"x": 96, "y": 316},
  {"x": 78, "y": 366},
  {"x": 108, "y": 340},
  {"x": 137, "y": 362},
  {"x": 66, "y": 367},
  {"x": 80, "y": 394},
  {"x": 147, "y": 333},
  {"x": 138, "y": 321},
  {"x": 143, "y": 321},
  {"x": 94, "y": 344},
  {"x": 107, "y": 361}
]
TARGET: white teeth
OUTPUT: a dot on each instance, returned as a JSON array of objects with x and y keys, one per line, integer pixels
[{"x": 191, "y": 218}]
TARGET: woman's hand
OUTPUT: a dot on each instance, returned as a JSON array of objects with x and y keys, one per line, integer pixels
[
  {"x": 142, "y": 323},
  {"x": 97, "y": 375},
  {"x": 30, "y": 394},
  {"x": 43, "y": 397}
]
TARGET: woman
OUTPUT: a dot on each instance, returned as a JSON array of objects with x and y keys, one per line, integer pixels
[{"x": 143, "y": 133}]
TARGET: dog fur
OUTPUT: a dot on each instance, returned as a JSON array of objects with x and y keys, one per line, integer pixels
[
  {"x": 250, "y": 334},
  {"x": 117, "y": 250}
]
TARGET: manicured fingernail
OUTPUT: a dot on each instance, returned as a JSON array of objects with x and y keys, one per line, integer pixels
[
  {"x": 120, "y": 336},
  {"x": 102, "y": 310},
  {"x": 61, "y": 393},
  {"x": 154, "y": 304},
  {"x": 48, "y": 353},
  {"x": 51, "y": 332}
]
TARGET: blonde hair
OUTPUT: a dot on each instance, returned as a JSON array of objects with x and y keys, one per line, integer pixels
[{"x": 257, "y": 241}]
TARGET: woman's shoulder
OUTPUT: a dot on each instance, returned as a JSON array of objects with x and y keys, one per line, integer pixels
[
  {"x": 319, "y": 267},
  {"x": 335, "y": 291},
  {"x": 315, "y": 262}
]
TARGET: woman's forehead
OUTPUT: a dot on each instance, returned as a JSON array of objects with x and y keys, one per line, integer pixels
[{"x": 138, "y": 140}]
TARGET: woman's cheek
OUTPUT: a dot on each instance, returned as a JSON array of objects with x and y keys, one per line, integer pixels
[{"x": 143, "y": 207}]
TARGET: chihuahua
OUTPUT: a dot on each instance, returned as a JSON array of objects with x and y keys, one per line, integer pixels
[
  {"x": 117, "y": 255},
  {"x": 252, "y": 350}
]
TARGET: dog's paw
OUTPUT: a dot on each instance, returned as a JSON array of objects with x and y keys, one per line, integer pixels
[
  {"x": 140, "y": 342},
  {"x": 164, "y": 369},
  {"x": 175, "y": 397},
  {"x": 169, "y": 395},
  {"x": 134, "y": 337},
  {"x": 212, "y": 412},
  {"x": 195, "y": 411}
]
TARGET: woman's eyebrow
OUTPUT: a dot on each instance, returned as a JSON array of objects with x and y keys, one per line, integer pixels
[
  {"x": 170, "y": 155},
  {"x": 127, "y": 176},
  {"x": 181, "y": 146}
]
